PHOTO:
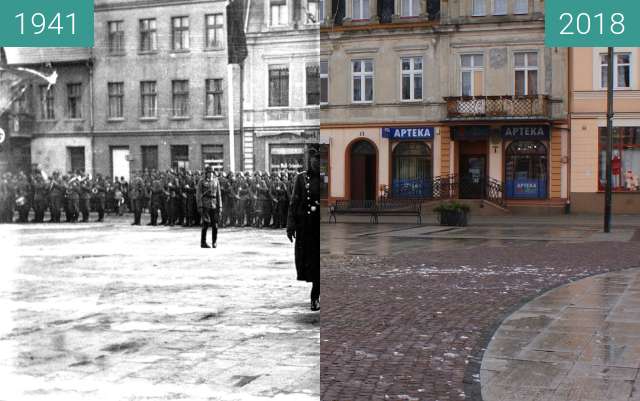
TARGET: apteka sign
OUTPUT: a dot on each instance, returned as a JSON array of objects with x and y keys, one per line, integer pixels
[
  {"x": 408, "y": 133},
  {"x": 526, "y": 132}
]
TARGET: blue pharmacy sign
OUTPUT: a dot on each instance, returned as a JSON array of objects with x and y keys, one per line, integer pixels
[{"x": 408, "y": 133}]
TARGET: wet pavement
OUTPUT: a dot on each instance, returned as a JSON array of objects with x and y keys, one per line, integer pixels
[
  {"x": 578, "y": 342},
  {"x": 113, "y": 312},
  {"x": 409, "y": 310}
]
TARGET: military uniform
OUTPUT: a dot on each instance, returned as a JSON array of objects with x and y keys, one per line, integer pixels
[
  {"x": 101, "y": 197},
  {"x": 56, "y": 197},
  {"x": 209, "y": 200},
  {"x": 157, "y": 194}
]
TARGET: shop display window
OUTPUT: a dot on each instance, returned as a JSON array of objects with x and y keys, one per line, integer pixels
[
  {"x": 526, "y": 170},
  {"x": 625, "y": 159}
]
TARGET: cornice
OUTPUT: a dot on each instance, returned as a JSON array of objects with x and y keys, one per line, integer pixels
[{"x": 133, "y": 4}]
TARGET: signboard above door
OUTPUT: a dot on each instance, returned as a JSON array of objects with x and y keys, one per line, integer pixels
[{"x": 408, "y": 133}]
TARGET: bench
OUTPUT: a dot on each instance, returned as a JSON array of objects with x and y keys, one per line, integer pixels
[
  {"x": 352, "y": 207},
  {"x": 381, "y": 207},
  {"x": 398, "y": 207}
]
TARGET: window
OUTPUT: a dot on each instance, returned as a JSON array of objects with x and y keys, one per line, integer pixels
[
  {"x": 180, "y": 33},
  {"x": 478, "y": 8},
  {"x": 321, "y": 11},
  {"x": 324, "y": 171},
  {"x": 180, "y": 91},
  {"x": 149, "y": 157},
  {"x": 76, "y": 158},
  {"x": 526, "y": 170},
  {"x": 180, "y": 157},
  {"x": 287, "y": 158},
  {"x": 313, "y": 85},
  {"x": 362, "y": 79},
  {"x": 278, "y": 86},
  {"x": 116, "y": 99},
  {"x": 116, "y": 37},
  {"x": 148, "y": 35},
  {"x": 214, "y": 97},
  {"x": 412, "y": 170},
  {"x": 213, "y": 155},
  {"x": 521, "y": 7},
  {"x": 360, "y": 9},
  {"x": 47, "y": 111},
  {"x": 215, "y": 30},
  {"x": 279, "y": 12},
  {"x": 621, "y": 72},
  {"x": 324, "y": 82},
  {"x": 499, "y": 7},
  {"x": 410, "y": 8},
  {"x": 472, "y": 76},
  {"x": 148, "y": 99},
  {"x": 74, "y": 100},
  {"x": 313, "y": 12},
  {"x": 625, "y": 159},
  {"x": 411, "y": 78},
  {"x": 526, "y": 74}
]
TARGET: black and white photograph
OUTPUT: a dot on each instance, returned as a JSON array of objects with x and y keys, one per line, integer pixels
[{"x": 160, "y": 206}]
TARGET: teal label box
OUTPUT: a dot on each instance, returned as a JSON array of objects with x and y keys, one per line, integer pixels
[
  {"x": 592, "y": 23},
  {"x": 46, "y": 23}
]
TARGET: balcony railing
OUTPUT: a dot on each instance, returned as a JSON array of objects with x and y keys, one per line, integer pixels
[{"x": 498, "y": 107}]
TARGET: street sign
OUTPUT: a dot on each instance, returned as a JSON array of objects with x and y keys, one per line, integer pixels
[{"x": 592, "y": 23}]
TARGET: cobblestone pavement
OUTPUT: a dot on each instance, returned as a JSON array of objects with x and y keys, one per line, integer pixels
[
  {"x": 580, "y": 341},
  {"x": 408, "y": 317},
  {"x": 113, "y": 312}
]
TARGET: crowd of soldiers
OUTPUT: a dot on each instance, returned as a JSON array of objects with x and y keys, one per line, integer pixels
[{"x": 249, "y": 199}]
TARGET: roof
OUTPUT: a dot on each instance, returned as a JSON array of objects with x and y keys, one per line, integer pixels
[{"x": 32, "y": 55}]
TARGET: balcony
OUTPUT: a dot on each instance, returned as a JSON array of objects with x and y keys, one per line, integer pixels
[{"x": 498, "y": 107}]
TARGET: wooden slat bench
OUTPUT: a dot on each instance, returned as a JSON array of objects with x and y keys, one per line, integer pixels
[
  {"x": 352, "y": 207},
  {"x": 398, "y": 207}
]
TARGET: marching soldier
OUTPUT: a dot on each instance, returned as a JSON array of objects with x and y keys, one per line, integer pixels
[
  {"x": 303, "y": 224},
  {"x": 209, "y": 200}
]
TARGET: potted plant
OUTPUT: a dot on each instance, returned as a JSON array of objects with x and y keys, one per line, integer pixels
[{"x": 452, "y": 213}]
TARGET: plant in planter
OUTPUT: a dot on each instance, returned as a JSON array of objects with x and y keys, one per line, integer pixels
[{"x": 452, "y": 213}]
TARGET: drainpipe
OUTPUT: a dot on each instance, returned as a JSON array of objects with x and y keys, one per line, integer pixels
[
  {"x": 91, "y": 112},
  {"x": 567, "y": 207}
]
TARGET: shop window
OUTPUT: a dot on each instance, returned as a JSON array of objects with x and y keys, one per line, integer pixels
[
  {"x": 289, "y": 158},
  {"x": 149, "y": 158},
  {"x": 76, "y": 158},
  {"x": 412, "y": 171},
  {"x": 180, "y": 157},
  {"x": 625, "y": 159},
  {"x": 526, "y": 170},
  {"x": 213, "y": 155}
]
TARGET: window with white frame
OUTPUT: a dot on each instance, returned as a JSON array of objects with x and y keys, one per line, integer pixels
[
  {"x": 526, "y": 73},
  {"x": 521, "y": 7},
  {"x": 472, "y": 74},
  {"x": 180, "y": 33},
  {"x": 499, "y": 7},
  {"x": 410, "y": 8},
  {"x": 411, "y": 78},
  {"x": 360, "y": 9},
  {"x": 478, "y": 8},
  {"x": 362, "y": 81},
  {"x": 321, "y": 11},
  {"x": 148, "y": 99},
  {"x": 116, "y": 99},
  {"x": 313, "y": 12},
  {"x": 215, "y": 30},
  {"x": 621, "y": 72},
  {"x": 279, "y": 12},
  {"x": 324, "y": 82},
  {"x": 213, "y": 97}
]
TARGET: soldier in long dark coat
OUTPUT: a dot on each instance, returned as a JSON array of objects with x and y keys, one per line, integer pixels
[
  {"x": 303, "y": 224},
  {"x": 209, "y": 200}
]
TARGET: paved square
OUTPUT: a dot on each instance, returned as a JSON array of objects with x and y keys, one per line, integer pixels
[{"x": 114, "y": 312}]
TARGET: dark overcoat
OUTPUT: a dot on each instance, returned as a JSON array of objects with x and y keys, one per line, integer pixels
[{"x": 304, "y": 220}]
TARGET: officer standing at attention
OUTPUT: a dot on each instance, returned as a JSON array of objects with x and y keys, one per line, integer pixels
[
  {"x": 209, "y": 200},
  {"x": 303, "y": 224}
]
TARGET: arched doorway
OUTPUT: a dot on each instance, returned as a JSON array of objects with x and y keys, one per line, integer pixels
[
  {"x": 411, "y": 170},
  {"x": 363, "y": 170},
  {"x": 526, "y": 170}
]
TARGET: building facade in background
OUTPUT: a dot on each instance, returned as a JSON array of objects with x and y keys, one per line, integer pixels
[
  {"x": 281, "y": 90},
  {"x": 588, "y": 129},
  {"x": 465, "y": 91}
]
